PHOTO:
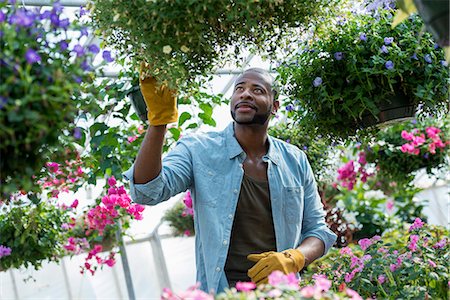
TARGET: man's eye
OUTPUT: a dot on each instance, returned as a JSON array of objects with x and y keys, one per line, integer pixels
[{"x": 258, "y": 90}]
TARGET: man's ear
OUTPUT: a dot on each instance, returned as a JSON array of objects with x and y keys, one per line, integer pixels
[{"x": 275, "y": 107}]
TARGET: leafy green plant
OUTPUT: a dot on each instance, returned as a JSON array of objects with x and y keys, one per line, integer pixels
[
  {"x": 33, "y": 233},
  {"x": 180, "y": 217},
  {"x": 354, "y": 64},
  {"x": 184, "y": 40},
  {"x": 409, "y": 263},
  {"x": 43, "y": 72},
  {"x": 316, "y": 148}
]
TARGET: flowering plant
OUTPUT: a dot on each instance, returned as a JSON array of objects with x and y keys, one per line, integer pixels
[
  {"x": 184, "y": 39},
  {"x": 95, "y": 230},
  {"x": 400, "y": 150},
  {"x": 352, "y": 67},
  {"x": 181, "y": 217},
  {"x": 412, "y": 263},
  {"x": 280, "y": 287},
  {"x": 43, "y": 74}
]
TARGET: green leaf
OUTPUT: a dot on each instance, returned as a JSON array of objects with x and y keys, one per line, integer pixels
[{"x": 183, "y": 118}]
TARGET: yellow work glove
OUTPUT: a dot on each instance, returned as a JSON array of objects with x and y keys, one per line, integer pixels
[
  {"x": 161, "y": 102},
  {"x": 288, "y": 261}
]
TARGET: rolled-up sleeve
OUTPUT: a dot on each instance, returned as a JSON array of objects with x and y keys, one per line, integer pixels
[
  {"x": 175, "y": 177},
  {"x": 314, "y": 215}
]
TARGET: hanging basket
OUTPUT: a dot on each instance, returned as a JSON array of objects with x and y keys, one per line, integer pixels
[
  {"x": 398, "y": 108},
  {"x": 435, "y": 14},
  {"x": 138, "y": 102}
]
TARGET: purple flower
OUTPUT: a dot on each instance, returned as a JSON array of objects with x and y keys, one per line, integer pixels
[
  {"x": 289, "y": 107},
  {"x": 64, "y": 23},
  {"x": 82, "y": 11},
  {"x": 436, "y": 46},
  {"x": 444, "y": 63},
  {"x": 84, "y": 31},
  {"x": 94, "y": 48},
  {"x": 414, "y": 56},
  {"x": 63, "y": 45},
  {"x": 54, "y": 19},
  {"x": 305, "y": 148},
  {"x": 77, "y": 133},
  {"x": 78, "y": 49},
  {"x": 32, "y": 56},
  {"x": 107, "y": 56},
  {"x": 46, "y": 15},
  {"x": 57, "y": 7},
  {"x": 3, "y": 102},
  {"x": 388, "y": 40},
  {"x": 389, "y": 65},
  {"x": 2, "y": 17},
  {"x": 317, "y": 81},
  {"x": 338, "y": 55},
  {"x": 4, "y": 251},
  {"x": 363, "y": 36},
  {"x": 85, "y": 65},
  {"x": 77, "y": 79},
  {"x": 288, "y": 141},
  {"x": 384, "y": 49},
  {"x": 22, "y": 18},
  {"x": 428, "y": 59},
  {"x": 426, "y": 155}
]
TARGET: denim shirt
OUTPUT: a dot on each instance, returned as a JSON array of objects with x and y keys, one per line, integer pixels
[{"x": 211, "y": 166}]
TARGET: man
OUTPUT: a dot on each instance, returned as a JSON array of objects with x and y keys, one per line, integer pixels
[{"x": 255, "y": 200}]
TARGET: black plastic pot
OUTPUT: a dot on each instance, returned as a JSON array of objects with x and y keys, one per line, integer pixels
[
  {"x": 138, "y": 102},
  {"x": 435, "y": 14},
  {"x": 396, "y": 109}
]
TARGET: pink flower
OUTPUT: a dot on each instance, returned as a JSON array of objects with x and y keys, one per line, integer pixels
[
  {"x": 407, "y": 148},
  {"x": 364, "y": 243},
  {"x": 140, "y": 129},
  {"x": 245, "y": 286},
  {"x": 132, "y": 138},
  {"x": 74, "y": 204},
  {"x": 440, "y": 244},
  {"x": 4, "y": 251},
  {"x": 432, "y": 132},
  {"x": 381, "y": 279},
  {"x": 349, "y": 277},
  {"x": 187, "y": 199},
  {"x": 112, "y": 181},
  {"x": 278, "y": 278},
  {"x": 390, "y": 205},
  {"x": 187, "y": 232},
  {"x": 419, "y": 140},
  {"x": 432, "y": 263},
  {"x": 346, "y": 251},
  {"x": 362, "y": 158},
  {"x": 323, "y": 284},
  {"x": 418, "y": 223},
  {"x": 308, "y": 292},
  {"x": 406, "y": 135},
  {"x": 413, "y": 242},
  {"x": 354, "y": 295}
]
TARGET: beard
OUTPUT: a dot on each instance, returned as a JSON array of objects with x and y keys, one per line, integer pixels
[{"x": 258, "y": 118}]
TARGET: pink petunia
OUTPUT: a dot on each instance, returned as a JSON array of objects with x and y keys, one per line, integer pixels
[
  {"x": 364, "y": 243},
  {"x": 245, "y": 286}
]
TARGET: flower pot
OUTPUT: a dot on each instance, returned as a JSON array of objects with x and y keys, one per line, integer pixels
[
  {"x": 396, "y": 109},
  {"x": 138, "y": 102},
  {"x": 435, "y": 14}
]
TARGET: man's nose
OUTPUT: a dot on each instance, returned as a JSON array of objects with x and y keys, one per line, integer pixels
[{"x": 246, "y": 94}]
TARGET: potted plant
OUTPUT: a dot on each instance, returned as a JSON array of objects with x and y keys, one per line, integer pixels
[
  {"x": 357, "y": 71},
  {"x": 43, "y": 71},
  {"x": 180, "y": 217},
  {"x": 185, "y": 40}
]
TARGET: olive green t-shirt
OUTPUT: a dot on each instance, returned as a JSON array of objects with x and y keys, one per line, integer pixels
[{"x": 253, "y": 230}]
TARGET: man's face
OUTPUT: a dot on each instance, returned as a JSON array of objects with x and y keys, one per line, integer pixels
[{"x": 252, "y": 100}]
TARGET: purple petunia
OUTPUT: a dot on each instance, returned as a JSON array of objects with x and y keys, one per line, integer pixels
[
  {"x": 338, "y": 55},
  {"x": 64, "y": 24},
  {"x": 317, "y": 81},
  {"x": 63, "y": 45},
  {"x": 32, "y": 56},
  {"x": 444, "y": 63},
  {"x": 305, "y": 148},
  {"x": 384, "y": 49},
  {"x": 363, "y": 36},
  {"x": 2, "y": 17},
  {"x": 94, "y": 49},
  {"x": 22, "y": 18},
  {"x": 77, "y": 133},
  {"x": 388, "y": 40},
  {"x": 83, "y": 32},
  {"x": 85, "y": 66},
  {"x": 54, "y": 19},
  {"x": 428, "y": 59},
  {"x": 107, "y": 56},
  {"x": 3, "y": 102},
  {"x": 4, "y": 251},
  {"x": 79, "y": 50},
  {"x": 414, "y": 56},
  {"x": 289, "y": 107},
  {"x": 389, "y": 65}
]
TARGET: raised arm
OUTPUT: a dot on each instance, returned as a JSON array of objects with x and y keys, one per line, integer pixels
[{"x": 162, "y": 110}]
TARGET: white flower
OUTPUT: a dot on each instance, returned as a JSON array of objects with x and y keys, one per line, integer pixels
[
  {"x": 116, "y": 17},
  {"x": 184, "y": 49},
  {"x": 167, "y": 49}
]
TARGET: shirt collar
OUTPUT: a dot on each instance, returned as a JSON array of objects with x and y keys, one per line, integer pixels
[{"x": 234, "y": 149}]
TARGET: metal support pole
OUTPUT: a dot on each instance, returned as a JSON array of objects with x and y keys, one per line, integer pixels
[
  {"x": 125, "y": 265},
  {"x": 160, "y": 262},
  {"x": 13, "y": 279},
  {"x": 66, "y": 279}
]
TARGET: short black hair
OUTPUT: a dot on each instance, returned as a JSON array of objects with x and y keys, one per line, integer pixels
[{"x": 273, "y": 83}]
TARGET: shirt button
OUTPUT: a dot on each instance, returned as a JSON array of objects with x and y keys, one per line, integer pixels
[
  {"x": 235, "y": 191},
  {"x": 241, "y": 165},
  {"x": 217, "y": 269},
  {"x": 210, "y": 173},
  {"x": 230, "y": 217},
  {"x": 225, "y": 242}
]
